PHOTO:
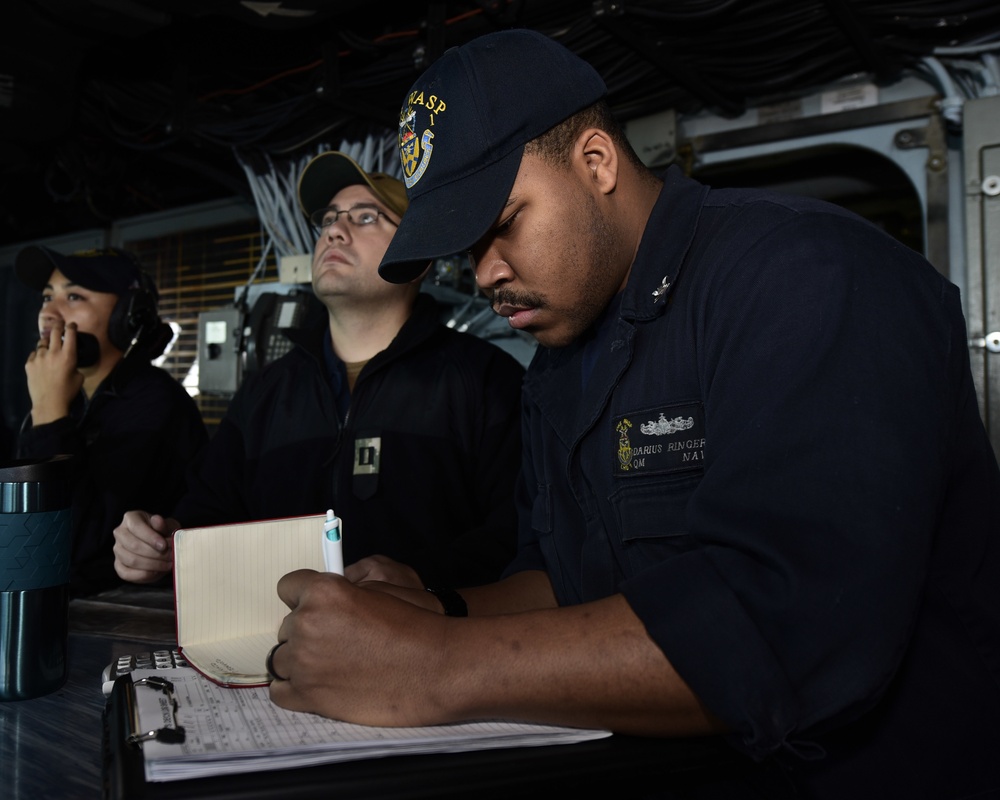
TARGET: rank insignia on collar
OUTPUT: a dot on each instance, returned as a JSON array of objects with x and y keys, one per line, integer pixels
[{"x": 660, "y": 291}]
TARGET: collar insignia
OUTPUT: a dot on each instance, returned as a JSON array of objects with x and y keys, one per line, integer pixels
[{"x": 660, "y": 291}]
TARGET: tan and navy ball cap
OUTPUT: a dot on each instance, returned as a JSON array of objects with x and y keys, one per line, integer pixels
[
  {"x": 462, "y": 130},
  {"x": 330, "y": 172}
]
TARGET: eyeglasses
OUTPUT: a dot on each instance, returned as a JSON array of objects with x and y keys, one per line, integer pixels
[{"x": 359, "y": 216}]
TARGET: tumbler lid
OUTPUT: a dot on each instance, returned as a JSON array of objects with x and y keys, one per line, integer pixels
[{"x": 35, "y": 470}]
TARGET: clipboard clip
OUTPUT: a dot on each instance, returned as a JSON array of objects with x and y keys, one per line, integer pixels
[
  {"x": 165, "y": 735},
  {"x": 174, "y": 735}
]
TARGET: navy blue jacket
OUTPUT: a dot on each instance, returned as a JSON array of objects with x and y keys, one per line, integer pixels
[
  {"x": 441, "y": 409},
  {"x": 776, "y": 455}
]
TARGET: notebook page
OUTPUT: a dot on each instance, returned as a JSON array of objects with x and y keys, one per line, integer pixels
[
  {"x": 233, "y": 661},
  {"x": 226, "y": 578}
]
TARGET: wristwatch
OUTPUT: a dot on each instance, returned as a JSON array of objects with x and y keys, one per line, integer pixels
[{"x": 453, "y": 602}]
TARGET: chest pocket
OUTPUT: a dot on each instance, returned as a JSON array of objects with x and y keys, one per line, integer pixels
[{"x": 651, "y": 518}]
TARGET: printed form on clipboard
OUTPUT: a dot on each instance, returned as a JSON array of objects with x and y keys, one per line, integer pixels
[
  {"x": 215, "y": 730},
  {"x": 225, "y": 592}
]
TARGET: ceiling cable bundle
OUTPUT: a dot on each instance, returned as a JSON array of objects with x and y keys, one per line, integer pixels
[{"x": 274, "y": 187}]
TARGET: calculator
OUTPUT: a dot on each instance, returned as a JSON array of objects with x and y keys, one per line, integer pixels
[{"x": 153, "y": 659}]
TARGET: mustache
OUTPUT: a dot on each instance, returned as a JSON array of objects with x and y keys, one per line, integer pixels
[{"x": 505, "y": 297}]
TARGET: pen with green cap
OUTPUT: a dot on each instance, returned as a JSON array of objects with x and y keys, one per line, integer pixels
[{"x": 333, "y": 552}]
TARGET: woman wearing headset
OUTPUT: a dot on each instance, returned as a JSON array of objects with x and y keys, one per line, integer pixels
[{"x": 131, "y": 427}]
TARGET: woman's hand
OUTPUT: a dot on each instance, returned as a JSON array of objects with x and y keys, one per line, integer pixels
[{"x": 53, "y": 379}]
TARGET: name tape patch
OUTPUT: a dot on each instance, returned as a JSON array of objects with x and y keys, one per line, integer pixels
[{"x": 661, "y": 439}]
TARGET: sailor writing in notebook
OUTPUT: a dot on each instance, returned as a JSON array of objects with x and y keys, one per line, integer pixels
[
  {"x": 821, "y": 584},
  {"x": 409, "y": 429}
]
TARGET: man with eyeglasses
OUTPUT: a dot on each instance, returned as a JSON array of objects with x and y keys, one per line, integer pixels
[{"x": 407, "y": 428}]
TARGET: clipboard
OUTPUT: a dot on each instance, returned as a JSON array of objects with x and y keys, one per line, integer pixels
[{"x": 605, "y": 764}]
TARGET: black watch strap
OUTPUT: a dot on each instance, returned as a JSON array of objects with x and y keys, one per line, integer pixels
[{"x": 453, "y": 602}]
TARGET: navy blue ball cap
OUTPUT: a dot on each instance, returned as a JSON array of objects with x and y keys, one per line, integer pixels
[
  {"x": 105, "y": 270},
  {"x": 462, "y": 131}
]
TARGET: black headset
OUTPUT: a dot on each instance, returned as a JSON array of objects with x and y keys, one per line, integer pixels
[{"x": 135, "y": 320}]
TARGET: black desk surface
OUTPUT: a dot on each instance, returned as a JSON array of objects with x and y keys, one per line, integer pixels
[{"x": 50, "y": 747}]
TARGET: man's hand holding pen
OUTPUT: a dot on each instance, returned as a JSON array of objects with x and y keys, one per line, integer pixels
[{"x": 343, "y": 644}]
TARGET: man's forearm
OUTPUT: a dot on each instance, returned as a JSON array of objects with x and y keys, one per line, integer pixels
[
  {"x": 591, "y": 665},
  {"x": 364, "y": 656},
  {"x": 523, "y": 591}
]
